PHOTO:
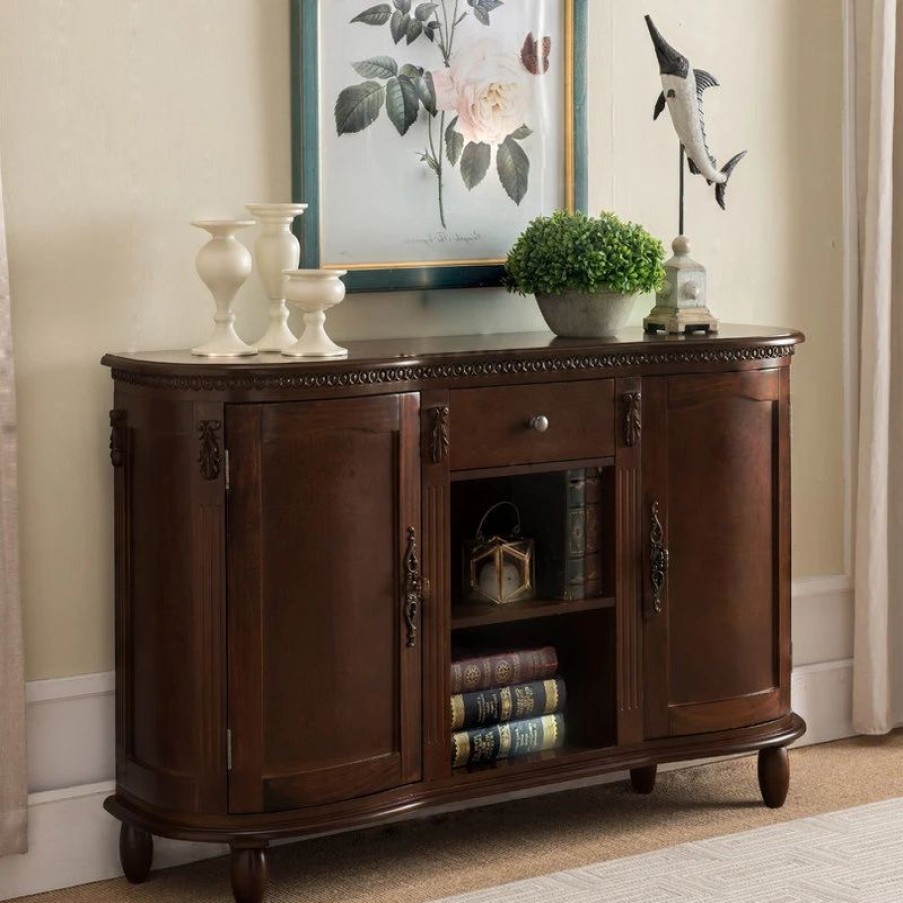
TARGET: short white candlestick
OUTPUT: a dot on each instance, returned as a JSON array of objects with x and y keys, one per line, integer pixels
[{"x": 314, "y": 292}]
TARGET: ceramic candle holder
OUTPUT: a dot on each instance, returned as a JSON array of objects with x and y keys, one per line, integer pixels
[
  {"x": 275, "y": 251},
  {"x": 223, "y": 264},
  {"x": 313, "y": 292}
]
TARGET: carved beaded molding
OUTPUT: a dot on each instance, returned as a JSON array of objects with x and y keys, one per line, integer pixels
[{"x": 384, "y": 374}]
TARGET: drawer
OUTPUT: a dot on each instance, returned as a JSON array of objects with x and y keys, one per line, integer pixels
[{"x": 493, "y": 427}]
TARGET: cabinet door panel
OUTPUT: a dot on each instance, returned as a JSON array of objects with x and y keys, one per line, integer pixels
[
  {"x": 714, "y": 653},
  {"x": 324, "y": 688}
]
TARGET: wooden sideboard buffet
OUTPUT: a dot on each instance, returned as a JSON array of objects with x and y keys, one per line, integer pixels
[{"x": 287, "y": 574}]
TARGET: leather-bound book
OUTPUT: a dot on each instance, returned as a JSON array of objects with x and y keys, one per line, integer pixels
[
  {"x": 553, "y": 514},
  {"x": 503, "y": 669},
  {"x": 486, "y": 707},
  {"x": 506, "y": 741}
]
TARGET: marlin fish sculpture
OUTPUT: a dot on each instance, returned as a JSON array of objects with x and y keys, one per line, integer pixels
[{"x": 683, "y": 89}]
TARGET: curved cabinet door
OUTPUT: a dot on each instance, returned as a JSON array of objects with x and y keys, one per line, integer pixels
[
  {"x": 717, "y": 630},
  {"x": 324, "y": 668}
]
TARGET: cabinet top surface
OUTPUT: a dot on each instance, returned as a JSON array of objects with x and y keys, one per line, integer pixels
[{"x": 409, "y": 351}]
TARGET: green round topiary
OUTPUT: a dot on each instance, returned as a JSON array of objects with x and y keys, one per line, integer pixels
[{"x": 579, "y": 253}]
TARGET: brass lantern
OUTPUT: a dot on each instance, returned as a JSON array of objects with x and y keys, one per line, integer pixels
[{"x": 499, "y": 570}]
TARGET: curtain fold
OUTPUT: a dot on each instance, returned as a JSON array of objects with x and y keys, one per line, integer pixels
[
  {"x": 13, "y": 790},
  {"x": 878, "y": 640}
]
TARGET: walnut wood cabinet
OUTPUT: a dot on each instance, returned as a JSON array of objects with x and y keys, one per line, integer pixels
[{"x": 287, "y": 573}]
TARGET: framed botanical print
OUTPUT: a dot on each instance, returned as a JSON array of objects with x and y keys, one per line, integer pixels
[{"x": 428, "y": 133}]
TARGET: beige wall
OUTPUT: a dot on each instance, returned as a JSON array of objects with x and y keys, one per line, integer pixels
[{"x": 120, "y": 120}]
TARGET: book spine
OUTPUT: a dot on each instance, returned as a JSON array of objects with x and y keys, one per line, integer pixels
[
  {"x": 575, "y": 541},
  {"x": 486, "y": 707},
  {"x": 503, "y": 670},
  {"x": 506, "y": 741},
  {"x": 592, "y": 561}
]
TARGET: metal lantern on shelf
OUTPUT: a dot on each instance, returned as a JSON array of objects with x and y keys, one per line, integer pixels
[{"x": 499, "y": 570}]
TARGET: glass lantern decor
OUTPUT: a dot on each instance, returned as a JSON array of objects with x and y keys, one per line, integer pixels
[{"x": 499, "y": 570}]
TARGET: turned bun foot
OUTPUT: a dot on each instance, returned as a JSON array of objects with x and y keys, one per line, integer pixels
[
  {"x": 643, "y": 779},
  {"x": 774, "y": 775},
  {"x": 249, "y": 874},
  {"x": 136, "y": 853}
]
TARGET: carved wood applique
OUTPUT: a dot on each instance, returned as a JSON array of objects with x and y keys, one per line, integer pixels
[
  {"x": 210, "y": 457},
  {"x": 117, "y": 437},
  {"x": 633, "y": 418},
  {"x": 439, "y": 434}
]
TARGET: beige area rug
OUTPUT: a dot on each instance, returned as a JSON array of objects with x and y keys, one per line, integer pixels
[
  {"x": 420, "y": 861},
  {"x": 853, "y": 856}
]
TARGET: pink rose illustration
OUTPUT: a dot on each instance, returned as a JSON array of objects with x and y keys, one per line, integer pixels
[{"x": 489, "y": 89}]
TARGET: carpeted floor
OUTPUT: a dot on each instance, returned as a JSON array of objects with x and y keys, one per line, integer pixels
[{"x": 415, "y": 862}]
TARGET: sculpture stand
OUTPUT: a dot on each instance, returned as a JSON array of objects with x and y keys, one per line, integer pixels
[{"x": 681, "y": 303}]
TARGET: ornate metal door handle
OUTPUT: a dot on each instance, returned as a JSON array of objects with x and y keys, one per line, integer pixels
[
  {"x": 660, "y": 559},
  {"x": 413, "y": 587}
]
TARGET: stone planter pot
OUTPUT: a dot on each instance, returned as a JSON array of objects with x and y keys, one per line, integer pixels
[{"x": 578, "y": 315}]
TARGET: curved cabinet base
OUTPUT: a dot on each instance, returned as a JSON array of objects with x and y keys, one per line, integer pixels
[{"x": 257, "y": 830}]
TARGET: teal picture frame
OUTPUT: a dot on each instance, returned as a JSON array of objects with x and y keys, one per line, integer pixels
[{"x": 306, "y": 176}]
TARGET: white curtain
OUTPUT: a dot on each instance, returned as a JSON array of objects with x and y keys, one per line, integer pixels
[
  {"x": 13, "y": 793},
  {"x": 878, "y": 79}
]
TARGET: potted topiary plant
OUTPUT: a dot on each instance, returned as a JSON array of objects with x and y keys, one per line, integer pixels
[{"x": 585, "y": 271}]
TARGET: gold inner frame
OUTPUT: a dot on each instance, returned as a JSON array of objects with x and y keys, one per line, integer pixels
[{"x": 570, "y": 186}]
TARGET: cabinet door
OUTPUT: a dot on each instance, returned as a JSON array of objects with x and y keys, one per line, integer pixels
[
  {"x": 324, "y": 653},
  {"x": 716, "y": 482}
]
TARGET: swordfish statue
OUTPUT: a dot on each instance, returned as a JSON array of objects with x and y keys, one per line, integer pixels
[{"x": 682, "y": 92}]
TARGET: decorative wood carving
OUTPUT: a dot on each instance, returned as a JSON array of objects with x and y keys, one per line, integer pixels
[
  {"x": 439, "y": 434},
  {"x": 423, "y": 373},
  {"x": 660, "y": 558},
  {"x": 633, "y": 418},
  {"x": 210, "y": 457},
  {"x": 413, "y": 587},
  {"x": 117, "y": 437}
]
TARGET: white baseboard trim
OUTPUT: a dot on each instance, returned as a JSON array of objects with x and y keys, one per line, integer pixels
[{"x": 72, "y": 840}]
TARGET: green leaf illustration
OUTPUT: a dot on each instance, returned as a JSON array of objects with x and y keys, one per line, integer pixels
[
  {"x": 425, "y": 10},
  {"x": 403, "y": 5},
  {"x": 411, "y": 71},
  {"x": 415, "y": 29},
  {"x": 426, "y": 91},
  {"x": 475, "y": 163},
  {"x": 521, "y": 133},
  {"x": 376, "y": 67},
  {"x": 376, "y": 15},
  {"x": 358, "y": 107},
  {"x": 399, "y": 25},
  {"x": 481, "y": 15},
  {"x": 454, "y": 143},
  {"x": 513, "y": 166},
  {"x": 402, "y": 103}
]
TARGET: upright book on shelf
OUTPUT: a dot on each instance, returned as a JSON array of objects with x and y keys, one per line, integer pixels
[{"x": 561, "y": 511}]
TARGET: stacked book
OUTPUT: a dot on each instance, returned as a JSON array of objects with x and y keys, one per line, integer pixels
[{"x": 506, "y": 705}]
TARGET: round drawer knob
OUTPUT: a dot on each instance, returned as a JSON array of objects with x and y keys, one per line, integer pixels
[{"x": 540, "y": 423}]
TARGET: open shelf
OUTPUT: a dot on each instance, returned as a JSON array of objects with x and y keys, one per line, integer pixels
[
  {"x": 567, "y": 752},
  {"x": 476, "y": 614}
]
